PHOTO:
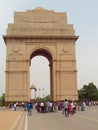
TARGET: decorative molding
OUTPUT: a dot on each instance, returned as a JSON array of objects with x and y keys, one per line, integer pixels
[
  {"x": 23, "y": 37},
  {"x": 15, "y": 49}
]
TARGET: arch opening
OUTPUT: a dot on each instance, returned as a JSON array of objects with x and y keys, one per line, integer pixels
[
  {"x": 41, "y": 73},
  {"x": 42, "y": 52}
]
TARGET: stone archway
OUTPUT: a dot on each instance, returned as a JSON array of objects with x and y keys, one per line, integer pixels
[
  {"x": 46, "y": 54},
  {"x": 40, "y": 32}
]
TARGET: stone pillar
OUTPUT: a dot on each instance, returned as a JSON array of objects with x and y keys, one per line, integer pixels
[{"x": 17, "y": 75}]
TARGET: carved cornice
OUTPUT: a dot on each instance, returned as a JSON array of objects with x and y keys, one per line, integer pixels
[
  {"x": 17, "y": 37},
  {"x": 67, "y": 71},
  {"x": 10, "y": 60},
  {"x": 12, "y": 71}
]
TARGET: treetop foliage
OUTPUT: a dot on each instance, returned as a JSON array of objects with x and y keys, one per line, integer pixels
[{"x": 88, "y": 92}]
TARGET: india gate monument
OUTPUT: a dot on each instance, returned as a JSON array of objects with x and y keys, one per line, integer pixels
[{"x": 40, "y": 32}]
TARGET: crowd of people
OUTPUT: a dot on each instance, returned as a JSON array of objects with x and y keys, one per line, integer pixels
[{"x": 67, "y": 107}]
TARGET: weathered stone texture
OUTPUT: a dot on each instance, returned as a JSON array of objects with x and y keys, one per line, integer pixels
[{"x": 40, "y": 32}]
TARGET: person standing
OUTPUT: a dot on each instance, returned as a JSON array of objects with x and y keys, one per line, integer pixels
[
  {"x": 63, "y": 110},
  {"x": 69, "y": 108},
  {"x": 25, "y": 106},
  {"x": 42, "y": 107},
  {"x": 29, "y": 108},
  {"x": 15, "y": 106},
  {"x": 66, "y": 107}
]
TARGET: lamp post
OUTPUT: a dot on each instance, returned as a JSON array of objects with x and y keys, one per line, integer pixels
[
  {"x": 43, "y": 92},
  {"x": 35, "y": 93},
  {"x": 39, "y": 92}
]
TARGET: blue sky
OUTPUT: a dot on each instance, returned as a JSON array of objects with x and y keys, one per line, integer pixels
[{"x": 83, "y": 14}]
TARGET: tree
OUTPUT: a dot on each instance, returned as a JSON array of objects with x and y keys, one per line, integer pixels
[
  {"x": 46, "y": 98},
  {"x": 2, "y": 100},
  {"x": 88, "y": 92}
]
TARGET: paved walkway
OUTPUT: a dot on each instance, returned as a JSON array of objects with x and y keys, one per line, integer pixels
[
  {"x": 87, "y": 120},
  {"x": 9, "y": 120},
  {"x": 15, "y": 120}
]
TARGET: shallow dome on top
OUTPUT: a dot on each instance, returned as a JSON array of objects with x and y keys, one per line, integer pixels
[{"x": 33, "y": 87}]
